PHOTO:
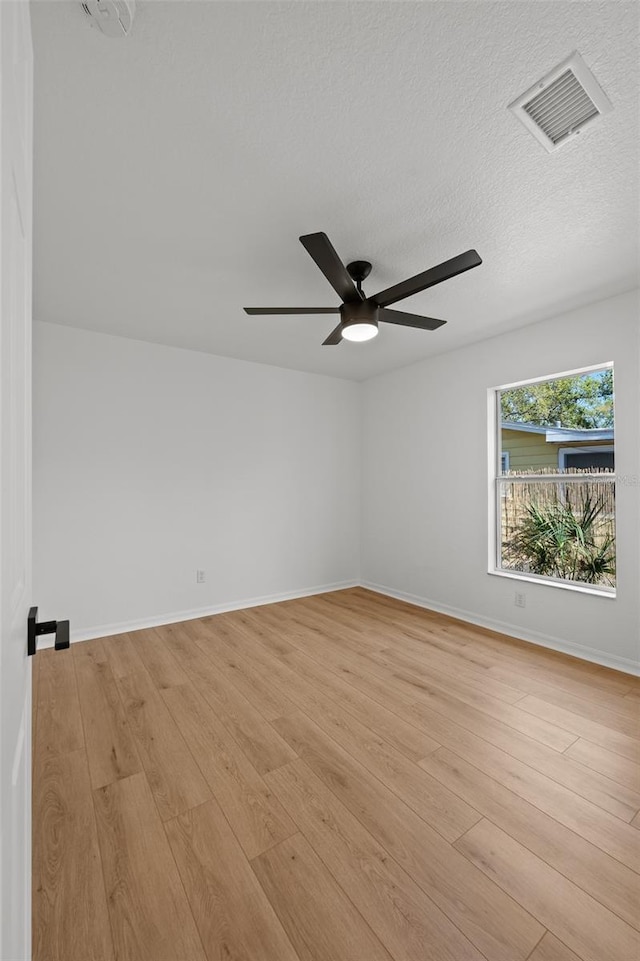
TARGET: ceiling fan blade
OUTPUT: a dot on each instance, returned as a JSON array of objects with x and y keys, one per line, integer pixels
[
  {"x": 428, "y": 278},
  {"x": 291, "y": 310},
  {"x": 321, "y": 249},
  {"x": 409, "y": 320},
  {"x": 334, "y": 337}
]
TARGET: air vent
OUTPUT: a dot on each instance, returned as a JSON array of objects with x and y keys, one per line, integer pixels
[{"x": 558, "y": 107}]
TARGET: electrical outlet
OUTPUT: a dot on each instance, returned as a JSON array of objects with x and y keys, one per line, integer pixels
[
  {"x": 521, "y": 599},
  {"x": 200, "y": 577}
]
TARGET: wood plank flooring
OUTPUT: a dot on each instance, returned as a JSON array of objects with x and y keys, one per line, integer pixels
[{"x": 344, "y": 777}]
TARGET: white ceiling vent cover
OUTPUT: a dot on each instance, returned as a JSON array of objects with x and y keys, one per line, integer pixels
[{"x": 557, "y": 107}]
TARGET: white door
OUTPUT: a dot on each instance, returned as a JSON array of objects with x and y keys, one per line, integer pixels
[{"x": 16, "y": 111}]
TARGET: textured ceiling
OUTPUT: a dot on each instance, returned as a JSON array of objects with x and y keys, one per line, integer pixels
[{"x": 175, "y": 170}]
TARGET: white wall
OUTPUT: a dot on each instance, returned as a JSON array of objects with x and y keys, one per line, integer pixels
[
  {"x": 425, "y": 503},
  {"x": 151, "y": 462}
]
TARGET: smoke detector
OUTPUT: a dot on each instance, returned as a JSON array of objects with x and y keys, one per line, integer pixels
[
  {"x": 557, "y": 107},
  {"x": 114, "y": 18}
]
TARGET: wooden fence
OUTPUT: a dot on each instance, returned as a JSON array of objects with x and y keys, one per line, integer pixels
[{"x": 518, "y": 492}]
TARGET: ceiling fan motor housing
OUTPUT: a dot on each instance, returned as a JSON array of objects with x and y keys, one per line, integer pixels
[{"x": 364, "y": 312}]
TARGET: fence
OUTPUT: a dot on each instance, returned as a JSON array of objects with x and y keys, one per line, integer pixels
[{"x": 558, "y": 524}]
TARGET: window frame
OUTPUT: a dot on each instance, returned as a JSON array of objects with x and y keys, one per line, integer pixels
[
  {"x": 563, "y": 451},
  {"x": 494, "y": 438}
]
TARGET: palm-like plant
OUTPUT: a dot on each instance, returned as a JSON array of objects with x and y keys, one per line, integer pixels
[{"x": 558, "y": 541}]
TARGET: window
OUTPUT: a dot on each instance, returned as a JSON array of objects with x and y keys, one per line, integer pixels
[
  {"x": 586, "y": 458},
  {"x": 553, "y": 481}
]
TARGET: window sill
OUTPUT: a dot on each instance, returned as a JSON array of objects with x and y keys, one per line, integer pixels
[{"x": 607, "y": 592}]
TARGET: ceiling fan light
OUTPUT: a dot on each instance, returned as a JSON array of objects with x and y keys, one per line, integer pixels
[{"x": 359, "y": 332}]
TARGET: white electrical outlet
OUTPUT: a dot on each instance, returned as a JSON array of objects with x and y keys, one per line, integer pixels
[
  {"x": 521, "y": 599},
  {"x": 200, "y": 577}
]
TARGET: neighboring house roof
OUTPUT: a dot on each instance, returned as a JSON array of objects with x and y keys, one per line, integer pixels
[
  {"x": 529, "y": 428},
  {"x": 558, "y": 434},
  {"x": 555, "y": 435}
]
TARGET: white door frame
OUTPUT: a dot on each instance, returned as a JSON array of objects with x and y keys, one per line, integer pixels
[{"x": 16, "y": 165}]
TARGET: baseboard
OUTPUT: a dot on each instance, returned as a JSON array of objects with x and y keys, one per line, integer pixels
[
  {"x": 174, "y": 617},
  {"x": 603, "y": 658}
]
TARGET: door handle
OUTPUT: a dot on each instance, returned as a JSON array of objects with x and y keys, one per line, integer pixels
[{"x": 59, "y": 628}]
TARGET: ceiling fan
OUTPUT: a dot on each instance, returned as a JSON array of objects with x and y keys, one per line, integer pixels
[{"x": 360, "y": 315}]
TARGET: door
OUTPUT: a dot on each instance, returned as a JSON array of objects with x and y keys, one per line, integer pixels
[{"x": 16, "y": 98}]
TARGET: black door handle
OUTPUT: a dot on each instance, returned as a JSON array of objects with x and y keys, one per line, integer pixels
[{"x": 59, "y": 628}]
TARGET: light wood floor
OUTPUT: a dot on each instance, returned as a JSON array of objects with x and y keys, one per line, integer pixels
[{"x": 339, "y": 778}]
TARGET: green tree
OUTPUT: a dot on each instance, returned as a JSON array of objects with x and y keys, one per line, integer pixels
[{"x": 584, "y": 401}]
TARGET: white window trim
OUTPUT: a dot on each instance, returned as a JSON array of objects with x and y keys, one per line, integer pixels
[
  {"x": 494, "y": 469},
  {"x": 563, "y": 451},
  {"x": 504, "y": 467},
  {"x": 563, "y": 373},
  {"x": 580, "y": 586}
]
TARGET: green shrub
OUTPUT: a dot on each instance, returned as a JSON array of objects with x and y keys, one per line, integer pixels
[{"x": 558, "y": 540}]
